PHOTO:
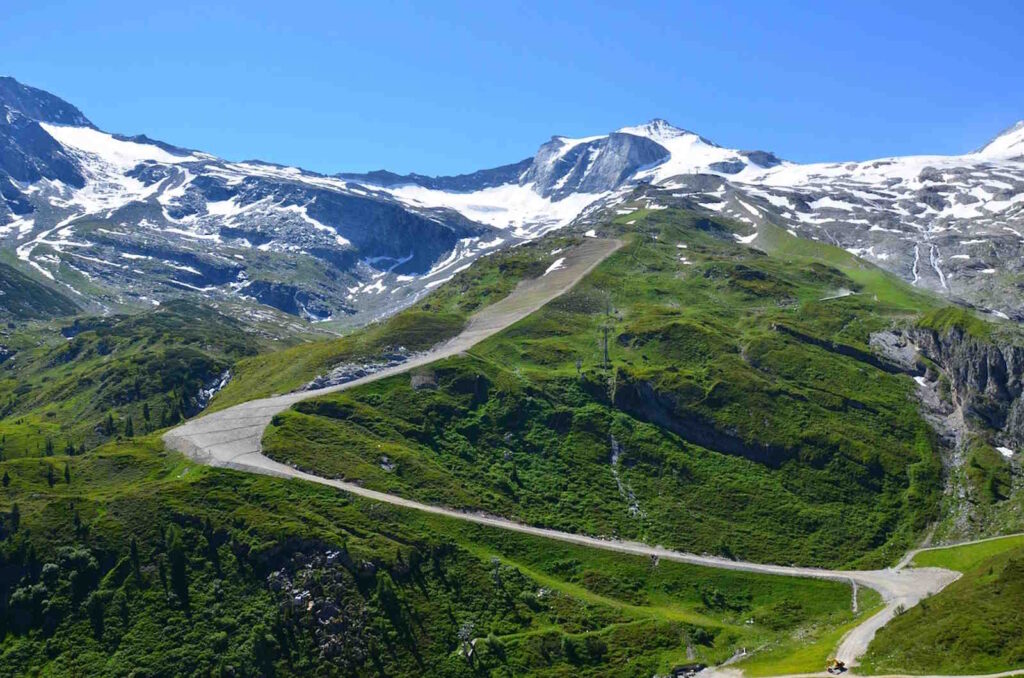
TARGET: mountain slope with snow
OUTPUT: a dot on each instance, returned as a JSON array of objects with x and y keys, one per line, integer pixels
[
  {"x": 123, "y": 221},
  {"x": 952, "y": 224}
]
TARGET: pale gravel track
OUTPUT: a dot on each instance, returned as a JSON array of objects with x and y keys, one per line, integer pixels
[{"x": 232, "y": 438}]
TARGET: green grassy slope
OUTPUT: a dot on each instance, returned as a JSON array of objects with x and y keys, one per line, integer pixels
[
  {"x": 976, "y": 625},
  {"x": 140, "y": 562},
  {"x": 969, "y": 556},
  {"x": 744, "y": 409},
  {"x": 77, "y": 384}
]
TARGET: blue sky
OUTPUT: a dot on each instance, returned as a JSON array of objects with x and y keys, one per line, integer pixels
[{"x": 446, "y": 87}]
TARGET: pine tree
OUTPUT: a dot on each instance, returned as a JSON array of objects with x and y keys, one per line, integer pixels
[
  {"x": 129, "y": 428},
  {"x": 67, "y": 474},
  {"x": 7, "y": 479},
  {"x": 48, "y": 448},
  {"x": 50, "y": 478},
  {"x": 108, "y": 427},
  {"x": 145, "y": 411},
  {"x": 176, "y": 556}
]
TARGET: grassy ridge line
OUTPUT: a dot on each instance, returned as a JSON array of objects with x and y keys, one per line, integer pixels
[{"x": 887, "y": 287}]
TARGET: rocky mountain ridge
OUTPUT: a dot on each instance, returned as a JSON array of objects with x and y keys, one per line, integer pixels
[{"x": 118, "y": 221}]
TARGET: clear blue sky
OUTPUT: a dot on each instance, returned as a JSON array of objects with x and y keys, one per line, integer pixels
[{"x": 444, "y": 87}]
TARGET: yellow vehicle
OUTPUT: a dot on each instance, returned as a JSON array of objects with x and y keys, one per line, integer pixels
[{"x": 834, "y": 666}]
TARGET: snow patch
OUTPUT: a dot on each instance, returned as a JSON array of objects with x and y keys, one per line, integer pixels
[
  {"x": 122, "y": 154},
  {"x": 558, "y": 264}
]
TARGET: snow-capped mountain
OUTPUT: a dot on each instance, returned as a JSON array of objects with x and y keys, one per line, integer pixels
[
  {"x": 128, "y": 220},
  {"x": 567, "y": 176},
  {"x": 953, "y": 224}
]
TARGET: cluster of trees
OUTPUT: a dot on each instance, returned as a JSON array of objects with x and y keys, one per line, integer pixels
[{"x": 39, "y": 595}]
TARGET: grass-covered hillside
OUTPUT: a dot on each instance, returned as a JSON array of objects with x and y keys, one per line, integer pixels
[
  {"x": 131, "y": 561},
  {"x": 22, "y": 298},
  {"x": 975, "y": 626},
  {"x": 70, "y": 385},
  {"x": 438, "y": 316},
  {"x": 740, "y": 410}
]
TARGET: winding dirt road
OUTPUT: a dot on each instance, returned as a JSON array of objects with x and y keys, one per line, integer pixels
[{"x": 232, "y": 438}]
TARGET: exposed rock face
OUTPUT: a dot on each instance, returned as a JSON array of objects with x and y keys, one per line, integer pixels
[
  {"x": 986, "y": 379},
  {"x": 970, "y": 394},
  {"x": 640, "y": 399},
  {"x": 28, "y": 154},
  {"x": 562, "y": 167},
  {"x": 346, "y": 372}
]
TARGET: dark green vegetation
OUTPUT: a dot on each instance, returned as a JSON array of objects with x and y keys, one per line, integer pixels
[
  {"x": 22, "y": 298},
  {"x": 976, "y": 625},
  {"x": 135, "y": 562},
  {"x": 988, "y": 472},
  {"x": 741, "y": 411},
  {"x": 439, "y": 316},
  {"x": 74, "y": 384}
]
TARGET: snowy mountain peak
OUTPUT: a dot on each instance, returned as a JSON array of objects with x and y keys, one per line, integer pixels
[
  {"x": 1008, "y": 144},
  {"x": 658, "y": 129}
]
